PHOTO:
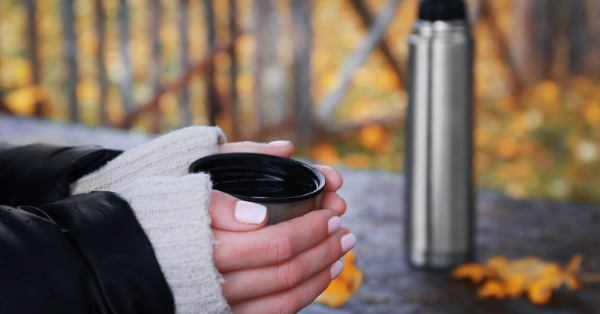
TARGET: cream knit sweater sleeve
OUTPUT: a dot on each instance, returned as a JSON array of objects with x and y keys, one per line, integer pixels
[
  {"x": 171, "y": 206},
  {"x": 172, "y": 212},
  {"x": 169, "y": 155}
]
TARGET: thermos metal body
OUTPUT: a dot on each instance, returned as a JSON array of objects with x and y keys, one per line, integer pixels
[{"x": 439, "y": 141}]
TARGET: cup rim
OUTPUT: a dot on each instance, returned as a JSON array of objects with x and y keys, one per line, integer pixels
[{"x": 261, "y": 199}]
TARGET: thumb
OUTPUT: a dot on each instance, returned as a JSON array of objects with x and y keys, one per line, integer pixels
[
  {"x": 231, "y": 214},
  {"x": 277, "y": 148}
]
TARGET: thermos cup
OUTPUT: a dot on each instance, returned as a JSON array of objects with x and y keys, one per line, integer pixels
[
  {"x": 287, "y": 187},
  {"x": 439, "y": 138}
]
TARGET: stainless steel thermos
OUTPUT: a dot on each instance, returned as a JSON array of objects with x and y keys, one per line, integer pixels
[{"x": 439, "y": 138}]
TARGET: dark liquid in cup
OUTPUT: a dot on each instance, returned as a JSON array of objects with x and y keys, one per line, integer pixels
[{"x": 270, "y": 178}]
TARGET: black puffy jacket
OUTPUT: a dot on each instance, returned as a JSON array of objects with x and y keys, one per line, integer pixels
[{"x": 71, "y": 254}]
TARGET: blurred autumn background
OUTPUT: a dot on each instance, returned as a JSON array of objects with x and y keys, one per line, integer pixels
[{"x": 268, "y": 69}]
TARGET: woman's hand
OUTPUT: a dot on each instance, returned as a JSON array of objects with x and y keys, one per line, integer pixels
[
  {"x": 284, "y": 267},
  {"x": 333, "y": 180}
]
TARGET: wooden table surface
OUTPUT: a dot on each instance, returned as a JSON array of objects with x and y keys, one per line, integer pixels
[
  {"x": 553, "y": 231},
  {"x": 550, "y": 230}
]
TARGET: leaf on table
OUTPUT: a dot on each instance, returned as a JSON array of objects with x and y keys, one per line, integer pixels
[
  {"x": 504, "y": 278},
  {"x": 344, "y": 286}
]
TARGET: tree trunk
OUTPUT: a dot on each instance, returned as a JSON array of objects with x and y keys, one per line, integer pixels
[
  {"x": 357, "y": 58},
  {"x": 100, "y": 64},
  {"x": 579, "y": 38},
  {"x": 269, "y": 77},
  {"x": 302, "y": 42},
  {"x": 126, "y": 77},
  {"x": 544, "y": 29},
  {"x": 70, "y": 53},
  {"x": 32, "y": 41},
  {"x": 233, "y": 31},
  {"x": 365, "y": 15},
  {"x": 212, "y": 103},
  {"x": 184, "y": 61},
  {"x": 155, "y": 62}
]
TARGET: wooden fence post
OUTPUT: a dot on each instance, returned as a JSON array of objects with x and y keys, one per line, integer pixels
[
  {"x": 269, "y": 77},
  {"x": 184, "y": 61},
  {"x": 70, "y": 53},
  {"x": 233, "y": 32},
  {"x": 302, "y": 42},
  {"x": 155, "y": 60},
  {"x": 32, "y": 43},
  {"x": 100, "y": 63},
  {"x": 126, "y": 73},
  {"x": 212, "y": 99}
]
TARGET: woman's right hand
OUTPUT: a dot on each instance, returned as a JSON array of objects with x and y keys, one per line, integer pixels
[{"x": 280, "y": 268}]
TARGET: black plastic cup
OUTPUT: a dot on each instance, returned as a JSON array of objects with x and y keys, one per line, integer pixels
[{"x": 287, "y": 187}]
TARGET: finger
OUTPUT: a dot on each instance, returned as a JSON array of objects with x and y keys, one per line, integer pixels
[
  {"x": 231, "y": 214},
  {"x": 277, "y": 148},
  {"x": 289, "y": 301},
  {"x": 334, "y": 202},
  {"x": 251, "y": 283},
  {"x": 333, "y": 179},
  {"x": 274, "y": 244}
]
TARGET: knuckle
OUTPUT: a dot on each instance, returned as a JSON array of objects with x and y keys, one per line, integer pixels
[
  {"x": 287, "y": 305},
  {"x": 280, "y": 249},
  {"x": 289, "y": 274}
]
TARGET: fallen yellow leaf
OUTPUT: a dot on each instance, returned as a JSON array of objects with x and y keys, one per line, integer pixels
[
  {"x": 512, "y": 278},
  {"x": 344, "y": 286}
]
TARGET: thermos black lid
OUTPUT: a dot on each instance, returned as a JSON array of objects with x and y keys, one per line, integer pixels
[{"x": 442, "y": 10}]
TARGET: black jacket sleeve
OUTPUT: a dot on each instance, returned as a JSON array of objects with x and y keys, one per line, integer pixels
[
  {"x": 79, "y": 254},
  {"x": 39, "y": 174}
]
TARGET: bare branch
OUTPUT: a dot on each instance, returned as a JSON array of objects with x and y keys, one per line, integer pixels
[{"x": 357, "y": 58}]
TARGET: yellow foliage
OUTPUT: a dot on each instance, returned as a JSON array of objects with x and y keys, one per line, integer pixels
[
  {"x": 16, "y": 72},
  {"x": 88, "y": 91},
  {"x": 344, "y": 286},
  {"x": 326, "y": 154},
  {"x": 357, "y": 162},
  {"x": 329, "y": 80},
  {"x": 473, "y": 271},
  {"x": 549, "y": 93},
  {"x": 244, "y": 83},
  {"x": 512, "y": 278},
  {"x": 22, "y": 101},
  {"x": 373, "y": 137},
  {"x": 168, "y": 104},
  {"x": 507, "y": 147},
  {"x": 591, "y": 113},
  {"x": 492, "y": 289}
]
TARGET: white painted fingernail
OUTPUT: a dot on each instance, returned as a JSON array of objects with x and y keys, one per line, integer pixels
[
  {"x": 348, "y": 242},
  {"x": 334, "y": 224},
  {"x": 250, "y": 213},
  {"x": 278, "y": 143},
  {"x": 336, "y": 269}
]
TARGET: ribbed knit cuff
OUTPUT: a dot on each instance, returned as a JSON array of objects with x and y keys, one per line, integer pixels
[
  {"x": 169, "y": 155},
  {"x": 173, "y": 213}
]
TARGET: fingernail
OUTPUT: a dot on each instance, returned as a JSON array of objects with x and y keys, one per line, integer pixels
[
  {"x": 278, "y": 143},
  {"x": 336, "y": 269},
  {"x": 334, "y": 224},
  {"x": 348, "y": 242},
  {"x": 250, "y": 213}
]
